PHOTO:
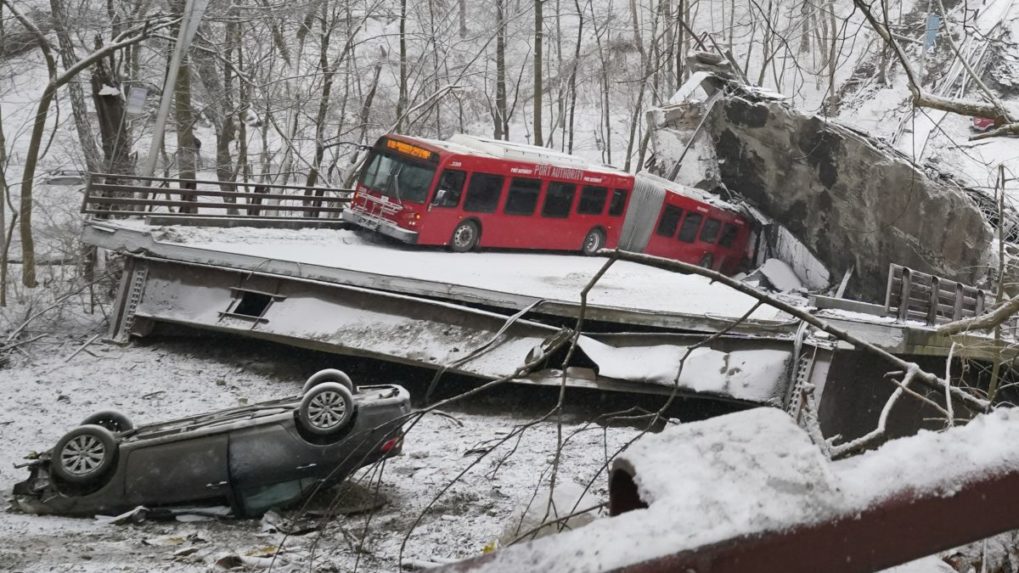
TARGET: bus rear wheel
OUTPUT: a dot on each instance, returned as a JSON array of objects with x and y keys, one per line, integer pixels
[
  {"x": 707, "y": 261},
  {"x": 465, "y": 237},
  {"x": 593, "y": 242}
]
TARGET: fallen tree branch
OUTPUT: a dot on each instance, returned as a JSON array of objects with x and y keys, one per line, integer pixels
[
  {"x": 993, "y": 110},
  {"x": 982, "y": 322}
]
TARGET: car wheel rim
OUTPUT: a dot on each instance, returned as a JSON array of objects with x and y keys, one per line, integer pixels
[
  {"x": 326, "y": 410},
  {"x": 82, "y": 455},
  {"x": 593, "y": 242}
]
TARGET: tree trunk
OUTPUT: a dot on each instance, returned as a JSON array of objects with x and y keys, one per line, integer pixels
[
  {"x": 328, "y": 73},
  {"x": 573, "y": 71},
  {"x": 79, "y": 112},
  {"x": 501, "y": 119},
  {"x": 401, "y": 103},
  {"x": 186, "y": 145},
  {"x": 114, "y": 132},
  {"x": 539, "y": 38},
  {"x": 3, "y": 210},
  {"x": 220, "y": 110}
]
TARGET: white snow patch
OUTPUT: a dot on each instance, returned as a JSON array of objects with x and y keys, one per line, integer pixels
[
  {"x": 107, "y": 90},
  {"x": 780, "y": 275}
]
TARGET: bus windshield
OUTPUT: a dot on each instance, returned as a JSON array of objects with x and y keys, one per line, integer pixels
[{"x": 397, "y": 177}]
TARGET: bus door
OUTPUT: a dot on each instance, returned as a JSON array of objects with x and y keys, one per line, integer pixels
[
  {"x": 553, "y": 225},
  {"x": 444, "y": 210}
]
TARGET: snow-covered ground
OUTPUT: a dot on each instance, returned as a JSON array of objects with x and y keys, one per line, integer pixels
[{"x": 48, "y": 391}]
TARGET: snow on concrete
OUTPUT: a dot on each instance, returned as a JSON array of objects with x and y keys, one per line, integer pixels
[
  {"x": 755, "y": 375},
  {"x": 780, "y": 275}
]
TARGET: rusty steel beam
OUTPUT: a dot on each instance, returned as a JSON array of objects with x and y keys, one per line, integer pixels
[{"x": 893, "y": 531}]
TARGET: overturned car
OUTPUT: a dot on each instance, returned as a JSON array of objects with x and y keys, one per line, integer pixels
[{"x": 249, "y": 458}]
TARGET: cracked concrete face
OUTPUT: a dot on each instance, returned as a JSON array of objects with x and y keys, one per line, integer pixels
[{"x": 850, "y": 200}]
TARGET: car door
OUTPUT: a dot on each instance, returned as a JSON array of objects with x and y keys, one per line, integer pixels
[{"x": 190, "y": 470}]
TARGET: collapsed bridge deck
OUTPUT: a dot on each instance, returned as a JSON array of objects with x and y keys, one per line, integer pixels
[{"x": 483, "y": 314}]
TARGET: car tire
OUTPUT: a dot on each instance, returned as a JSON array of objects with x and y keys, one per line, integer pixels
[
  {"x": 112, "y": 420},
  {"x": 593, "y": 242},
  {"x": 329, "y": 375},
  {"x": 326, "y": 409},
  {"x": 84, "y": 454},
  {"x": 707, "y": 261},
  {"x": 465, "y": 237}
]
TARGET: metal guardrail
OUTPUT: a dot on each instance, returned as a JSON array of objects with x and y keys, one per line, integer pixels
[
  {"x": 110, "y": 196},
  {"x": 912, "y": 295}
]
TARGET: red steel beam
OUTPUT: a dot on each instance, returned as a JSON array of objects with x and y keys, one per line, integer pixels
[{"x": 893, "y": 531}]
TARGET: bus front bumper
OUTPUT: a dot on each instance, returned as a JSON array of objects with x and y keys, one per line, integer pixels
[{"x": 387, "y": 228}]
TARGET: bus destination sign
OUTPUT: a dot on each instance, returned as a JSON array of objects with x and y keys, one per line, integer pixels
[{"x": 408, "y": 149}]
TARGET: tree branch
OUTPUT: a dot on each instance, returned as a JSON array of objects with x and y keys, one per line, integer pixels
[{"x": 925, "y": 377}]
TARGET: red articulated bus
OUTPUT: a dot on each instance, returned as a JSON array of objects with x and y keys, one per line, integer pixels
[{"x": 469, "y": 192}]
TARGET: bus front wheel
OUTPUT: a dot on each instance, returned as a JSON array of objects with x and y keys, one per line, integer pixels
[
  {"x": 465, "y": 237},
  {"x": 594, "y": 241}
]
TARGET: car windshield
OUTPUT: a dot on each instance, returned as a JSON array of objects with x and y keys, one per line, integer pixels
[{"x": 397, "y": 177}]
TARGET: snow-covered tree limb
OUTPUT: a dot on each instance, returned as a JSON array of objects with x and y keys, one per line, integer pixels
[{"x": 994, "y": 109}]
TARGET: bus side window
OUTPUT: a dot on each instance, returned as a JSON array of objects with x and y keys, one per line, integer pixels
[
  {"x": 709, "y": 234},
  {"x": 558, "y": 200},
  {"x": 592, "y": 201},
  {"x": 523, "y": 196},
  {"x": 669, "y": 221},
  {"x": 451, "y": 185},
  {"x": 688, "y": 231},
  {"x": 728, "y": 235},
  {"x": 618, "y": 202},
  {"x": 483, "y": 193}
]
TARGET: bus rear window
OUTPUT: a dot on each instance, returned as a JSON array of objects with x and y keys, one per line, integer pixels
[
  {"x": 483, "y": 193},
  {"x": 558, "y": 200},
  {"x": 709, "y": 234},
  {"x": 669, "y": 221},
  {"x": 523, "y": 196},
  {"x": 592, "y": 200},
  {"x": 688, "y": 231},
  {"x": 728, "y": 235},
  {"x": 618, "y": 202}
]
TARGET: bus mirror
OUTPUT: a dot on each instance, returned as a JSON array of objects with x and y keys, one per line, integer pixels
[{"x": 440, "y": 197}]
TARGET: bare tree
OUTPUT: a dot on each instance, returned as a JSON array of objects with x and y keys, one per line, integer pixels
[
  {"x": 501, "y": 117},
  {"x": 993, "y": 108},
  {"x": 57, "y": 80},
  {"x": 539, "y": 39},
  {"x": 78, "y": 110}
]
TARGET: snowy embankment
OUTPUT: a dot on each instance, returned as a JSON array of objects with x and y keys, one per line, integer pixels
[{"x": 49, "y": 390}]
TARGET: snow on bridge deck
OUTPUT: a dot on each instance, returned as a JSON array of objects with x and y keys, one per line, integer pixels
[{"x": 628, "y": 293}]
